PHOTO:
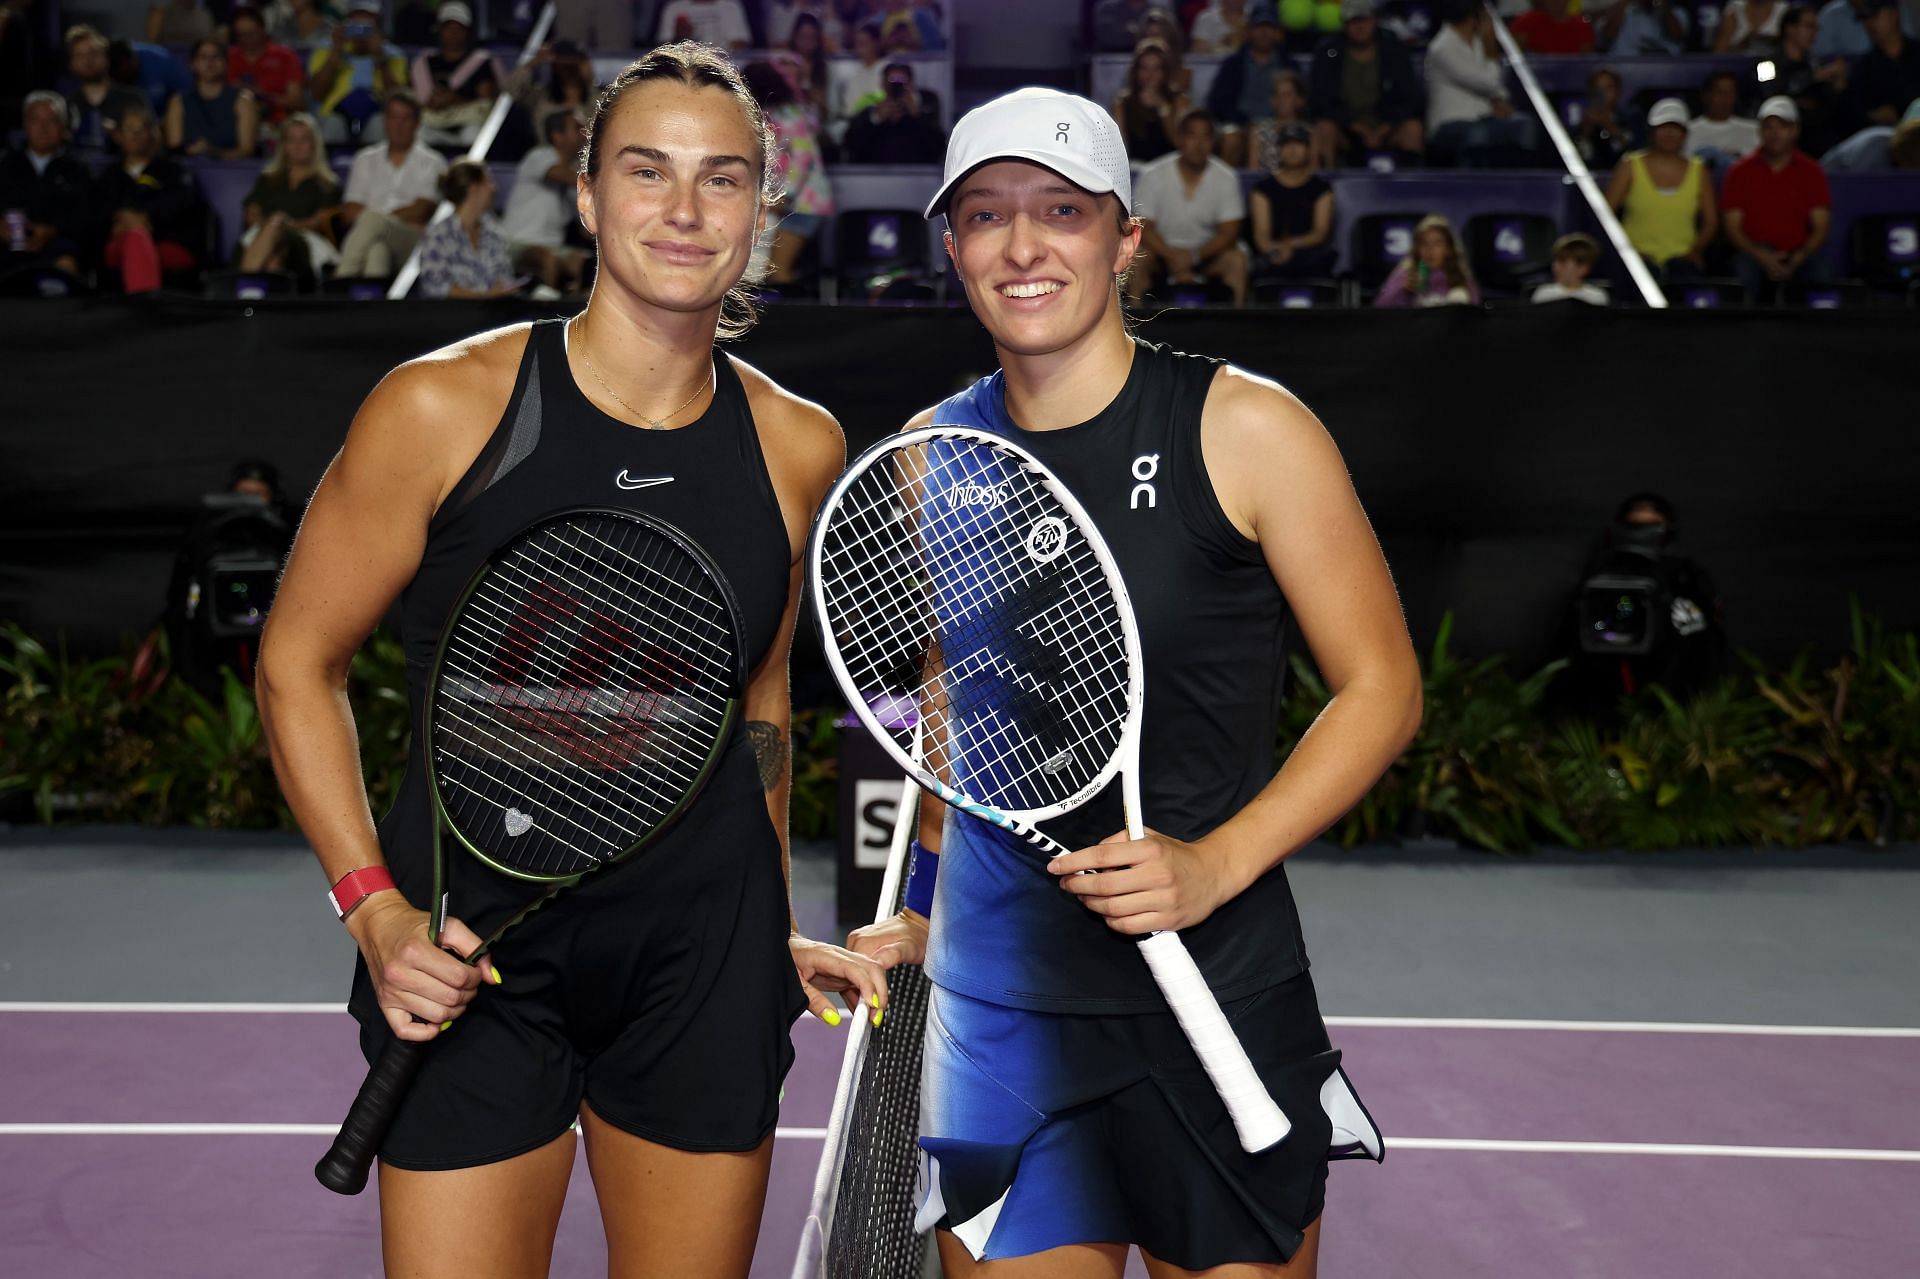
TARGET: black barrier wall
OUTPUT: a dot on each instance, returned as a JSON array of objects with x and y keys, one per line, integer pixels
[{"x": 1489, "y": 446}]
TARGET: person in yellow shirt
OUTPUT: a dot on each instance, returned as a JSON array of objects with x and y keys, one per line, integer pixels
[{"x": 1665, "y": 198}]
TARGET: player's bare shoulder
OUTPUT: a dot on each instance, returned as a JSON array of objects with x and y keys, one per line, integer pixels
[
  {"x": 1257, "y": 438},
  {"x": 799, "y": 438}
]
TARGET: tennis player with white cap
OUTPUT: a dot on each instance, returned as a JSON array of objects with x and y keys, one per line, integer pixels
[{"x": 1066, "y": 1117}]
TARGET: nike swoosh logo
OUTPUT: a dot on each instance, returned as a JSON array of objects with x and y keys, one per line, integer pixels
[{"x": 626, "y": 481}]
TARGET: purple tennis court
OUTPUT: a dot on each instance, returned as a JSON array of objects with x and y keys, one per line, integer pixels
[{"x": 176, "y": 1139}]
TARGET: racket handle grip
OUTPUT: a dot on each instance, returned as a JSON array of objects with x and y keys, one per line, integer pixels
[
  {"x": 1260, "y": 1123},
  {"x": 343, "y": 1169}
]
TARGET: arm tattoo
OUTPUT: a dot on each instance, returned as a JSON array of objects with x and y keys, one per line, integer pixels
[{"x": 770, "y": 750}]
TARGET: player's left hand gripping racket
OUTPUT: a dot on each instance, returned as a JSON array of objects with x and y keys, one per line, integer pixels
[
  {"x": 952, "y": 571},
  {"x": 586, "y": 685}
]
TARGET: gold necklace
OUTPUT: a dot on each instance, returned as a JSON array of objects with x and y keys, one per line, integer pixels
[{"x": 653, "y": 423}]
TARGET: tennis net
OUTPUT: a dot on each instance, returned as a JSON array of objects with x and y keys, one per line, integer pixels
[{"x": 860, "y": 1221}]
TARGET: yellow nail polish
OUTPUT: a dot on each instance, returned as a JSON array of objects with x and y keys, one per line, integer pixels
[
  {"x": 831, "y": 1017},
  {"x": 495, "y": 970},
  {"x": 874, "y": 1000},
  {"x": 446, "y": 1025},
  {"x": 878, "y": 1014}
]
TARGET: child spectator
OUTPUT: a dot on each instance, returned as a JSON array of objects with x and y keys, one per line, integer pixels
[
  {"x": 455, "y": 83},
  {"x": 1147, "y": 108},
  {"x": 289, "y": 211},
  {"x": 1777, "y": 206},
  {"x": 269, "y": 71},
  {"x": 465, "y": 256},
  {"x": 1192, "y": 212},
  {"x": 1292, "y": 211},
  {"x": 212, "y": 118},
  {"x": 1665, "y": 198},
  {"x": 1434, "y": 274},
  {"x": 1549, "y": 27},
  {"x": 1573, "y": 259}
]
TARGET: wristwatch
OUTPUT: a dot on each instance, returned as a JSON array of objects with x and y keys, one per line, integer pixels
[{"x": 356, "y": 886}]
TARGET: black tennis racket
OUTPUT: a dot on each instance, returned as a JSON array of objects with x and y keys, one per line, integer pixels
[{"x": 585, "y": 686}]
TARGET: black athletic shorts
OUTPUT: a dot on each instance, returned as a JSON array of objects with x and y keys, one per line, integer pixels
[
  {"x": 669, "y": 1015},
  {"x": 1047, "y": 1129}
]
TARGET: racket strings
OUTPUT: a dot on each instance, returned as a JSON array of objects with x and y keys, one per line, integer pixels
[
  {"x": 951, "y": 578},
  {"x": 582, "y": 692}
]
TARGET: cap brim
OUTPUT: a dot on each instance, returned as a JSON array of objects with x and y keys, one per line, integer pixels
[{"x": 1086, "y": 177}]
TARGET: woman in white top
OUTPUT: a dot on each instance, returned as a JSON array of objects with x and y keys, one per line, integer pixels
[
  {"x": 854, "y": 85},
  {"x": 1750, "y": 26}
]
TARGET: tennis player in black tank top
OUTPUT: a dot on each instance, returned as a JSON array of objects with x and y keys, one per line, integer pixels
[
  {"x": 656, "y": 1019},
  {"x": 1036, "y": 197}
]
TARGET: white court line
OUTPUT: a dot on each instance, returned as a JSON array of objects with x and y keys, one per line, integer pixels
[
  {"x": 1391, "y": 1023},
  {"x": 816, "y": 1134}
]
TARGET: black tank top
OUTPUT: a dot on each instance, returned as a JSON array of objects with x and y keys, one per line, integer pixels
[
  {"x": 1213, "y": 628},
  {"x": 554, "y": 450}
]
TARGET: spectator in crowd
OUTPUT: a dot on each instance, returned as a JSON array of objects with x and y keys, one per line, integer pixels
[
  {"x": 1469, "y": 118},
  {"x": 289, "y": 212},
  {"x": 1221, "y": 27},
  {"x": 1717, "y": 135},
  {"x": 456, "y": 83},
  {"x": 855, "y": 83},
  {"x": 1815, "y": 89},
  {"x": 1192, "y": 212},
  {"x": 213, "y": 117},
  {"x": 178, "y": 22},
  {"x": 784, "y": 17},
  {"x": 1641, "y": 29},
  {"x": 1292, "y": 212},
  {"x": 1242, "y": 91},
  {"x": 717, "y": 22},
  {"x": 598, "y": 24},
  {"x": 1434, "y": 274},
  {"x": 902, "y": 128},
  {"x": 541, "y": 207},
  {"x": 1604, "y": 130},
  {"x": 45, "y": 193},
  {"x": 1289, "y": 108},
  {"x": 1361, "y": 93},
  {"x": 98, "y": 102},
  {"x": 1146, "y": 108},
  {"x": 1879, "y": 148},
  {"x": 1664, "y": 197},
  {"x": 465, "y": 256},
  {"x": 149, "y": 68},
  {"x": 1776, "y": 206},
  {"x": 1843, "y": 30},
  {"x": 1750, "y": 26},
  {"x": 1163, "y": 26},
  {"x": 156, "y": 221},
  {"x": 806, "y": 200},
  {"x": 805, "y": 65},
  {"x": 1550, "y": 27},
  {"x": 1888, "y": 78},
  {"x": 301, "y": 25},
  {"x": 911, "y": 26},
  {"x": 355, "y": 74},
  {"x": 567, "y": 84},
  {"x": 1116, "y": 24},
  {"x": 269, "y": 71},
  {"x": 391, "y": 192},
  {"x": 1573, "y": 259}
]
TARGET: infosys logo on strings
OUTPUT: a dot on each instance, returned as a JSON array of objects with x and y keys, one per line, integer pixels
[{"x": 982, "y": 495}]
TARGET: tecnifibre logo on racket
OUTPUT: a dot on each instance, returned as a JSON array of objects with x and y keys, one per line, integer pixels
[
  {"x": 1047, "y": 538},
  {"x": 988, "y": 496}
]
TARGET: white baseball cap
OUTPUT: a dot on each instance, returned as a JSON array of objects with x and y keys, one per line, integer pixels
[
  {"x": 1070, "y": 135},
  {"x": 1783, "y": 107},
  {"x": 454, "y": 11},
  {"x": 1668, "y": 111}
]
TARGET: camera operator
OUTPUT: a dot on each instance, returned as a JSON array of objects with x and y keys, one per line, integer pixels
[
  {"x": 1643, "y": 614},
  {"x": 902, "y": 128},
  {"x": 225, "y": 574}
]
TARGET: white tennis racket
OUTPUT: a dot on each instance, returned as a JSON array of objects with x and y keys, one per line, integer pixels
[{"x": 952, "y": 572}]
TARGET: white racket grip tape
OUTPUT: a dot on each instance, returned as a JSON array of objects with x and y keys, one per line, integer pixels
[{"x": 1260, "y": 1122}]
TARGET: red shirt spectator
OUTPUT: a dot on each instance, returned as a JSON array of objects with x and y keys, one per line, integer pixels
[
  {"x": 1548, "y": 28},
  {"x": 1776, "y": 205},
  {"x": 271, "y": 70}
]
